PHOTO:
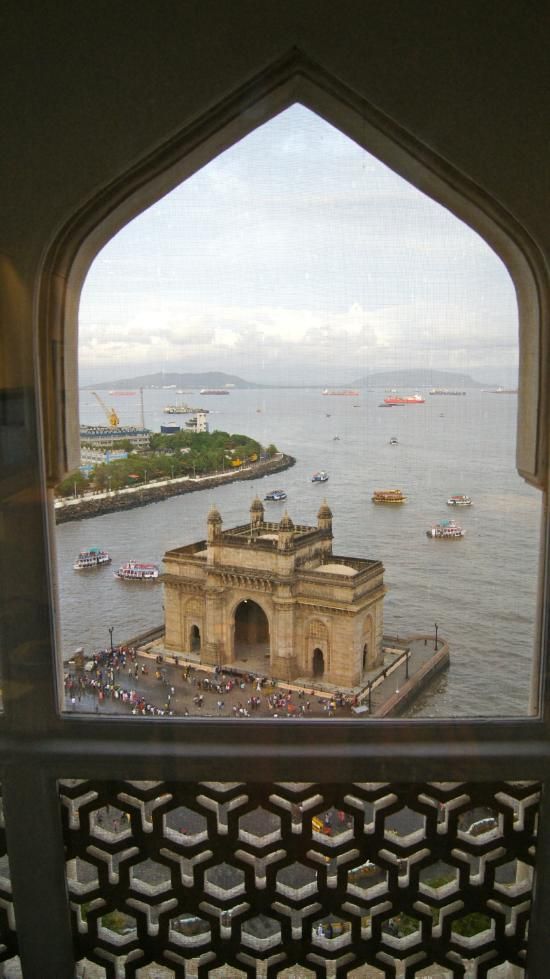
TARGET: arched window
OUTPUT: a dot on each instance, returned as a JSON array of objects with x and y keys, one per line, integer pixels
[{"x": 346, "y": 754}]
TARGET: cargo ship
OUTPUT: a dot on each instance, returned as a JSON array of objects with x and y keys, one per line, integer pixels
[
  {"x": 181, "y": 409},
  {"x": 446, "y": 391},
  {"x": 410, "y": 399},
  {"x": 214, "y": 391}
]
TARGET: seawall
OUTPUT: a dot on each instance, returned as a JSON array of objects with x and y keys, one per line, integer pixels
[
  {"x": 156, "y": 492},
  {"x": 399, "y": 701}
]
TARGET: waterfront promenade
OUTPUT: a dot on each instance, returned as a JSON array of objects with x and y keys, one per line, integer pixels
[
  {"x": 110, "y": 501},
  {"x": 178, "y": 685}
]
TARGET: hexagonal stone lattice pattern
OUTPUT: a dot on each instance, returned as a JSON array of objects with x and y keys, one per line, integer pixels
[{"x": 365, "y": 879}]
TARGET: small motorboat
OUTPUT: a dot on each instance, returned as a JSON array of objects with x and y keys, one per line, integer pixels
[{"x": 275, "y": 496}]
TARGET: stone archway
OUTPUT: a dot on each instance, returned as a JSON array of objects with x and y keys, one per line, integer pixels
[
  {"x": 318, "y": 663},
  {"x": 251, "y": 640},
  {"x": 195, "y": 639}
]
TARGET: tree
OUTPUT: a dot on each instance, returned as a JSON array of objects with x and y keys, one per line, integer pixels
[{"x": 75, "y": 484}]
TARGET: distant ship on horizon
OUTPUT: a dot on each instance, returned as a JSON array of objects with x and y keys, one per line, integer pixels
[
  {"x": 411, "y": 399},
  {"x": 346, "y": 393}
]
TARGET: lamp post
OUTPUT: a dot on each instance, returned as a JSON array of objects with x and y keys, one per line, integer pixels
[
  {"x": 111, "y": 630},
  {"x": 436, "y": 627}
]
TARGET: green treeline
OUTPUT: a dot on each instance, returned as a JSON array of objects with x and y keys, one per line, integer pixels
[{"x": 169, "y": 456}]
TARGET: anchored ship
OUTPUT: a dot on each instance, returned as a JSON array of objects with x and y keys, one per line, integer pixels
[{"x": 409, "y": 399}]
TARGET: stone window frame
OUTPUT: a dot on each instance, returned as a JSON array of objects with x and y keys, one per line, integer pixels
[{"x": 40, "y": 744}]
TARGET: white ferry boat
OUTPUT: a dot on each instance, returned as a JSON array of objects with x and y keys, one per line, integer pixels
[
  {"x": 447, "y": 529},
  {"x": 460, "y": 500},
  {"x": 91, "y": 557},
  {"x": 134, "y": 571},
  {"x": 320, "y": 477}
]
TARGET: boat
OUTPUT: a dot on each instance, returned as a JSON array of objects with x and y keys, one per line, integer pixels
[
  {"x": 500, "y": 390},
  {"x": 446, "y": 391},
  {"x": 460, "y": 500},
  {"x": 341, "y": 394},
  {"x": 214, "y": 391},
  {"x": 393, "y": 441},
  {"x": 181, "y": 409},
  {"x": 122, "y": 393},
  {"x": 447, "y": 529},
  {"x": 320, "y": 477},
  {"x": 91, "y": 557},
  {"x": 388, "y": 496},
  {"x": 336, "y": 438},
  {"x": 133, "y": 571},
  {"x": 409, "y": 399},
  {"x": 275, "y": 495}
]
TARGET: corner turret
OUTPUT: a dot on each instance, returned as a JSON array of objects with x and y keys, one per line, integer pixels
[
  {"x": 214, "y": 525},
  {"x": 286, "y": 533},
  {"x": 256, "y": 513}
]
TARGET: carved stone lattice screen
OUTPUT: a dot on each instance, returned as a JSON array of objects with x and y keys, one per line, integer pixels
[
  {"x": 8, "y": 937},
  {"x": 365, "y": 880}
]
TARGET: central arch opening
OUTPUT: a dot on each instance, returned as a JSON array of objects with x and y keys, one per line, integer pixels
[
  {"x": 318, "y": 662},
  {"x": 251, "y": 633}
]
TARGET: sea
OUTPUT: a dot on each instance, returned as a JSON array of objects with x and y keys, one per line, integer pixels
[{"x": 481, "y": 590}]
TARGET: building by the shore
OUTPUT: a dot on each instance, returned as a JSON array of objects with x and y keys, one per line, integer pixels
[
  {"x": 107, "y": 436},
  {"x": 271, "y": 597}
]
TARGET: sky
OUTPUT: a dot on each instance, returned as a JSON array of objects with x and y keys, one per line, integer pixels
[{"x": 295, "y": 256}]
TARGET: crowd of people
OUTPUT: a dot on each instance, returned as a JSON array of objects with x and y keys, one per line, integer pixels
[
  {"x": 103, "y": 676},
  {"x": 119, "y": 675}
]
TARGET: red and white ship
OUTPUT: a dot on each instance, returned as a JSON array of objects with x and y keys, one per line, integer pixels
[{"x": 410, "y": 399}]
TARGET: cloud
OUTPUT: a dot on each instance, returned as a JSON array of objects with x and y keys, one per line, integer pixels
[{"x": 297, "y": 251}]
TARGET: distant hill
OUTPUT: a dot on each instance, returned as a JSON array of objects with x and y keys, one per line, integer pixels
[
  {"x": 418, "y": 379},
  {"x": 210, "y": 379}
]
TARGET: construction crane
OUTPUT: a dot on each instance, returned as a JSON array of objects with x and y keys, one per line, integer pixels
[{"x": 111, "y": 414}]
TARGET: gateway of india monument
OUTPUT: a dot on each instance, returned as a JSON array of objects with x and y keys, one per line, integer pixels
[{"x": 272, "y": 598}]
